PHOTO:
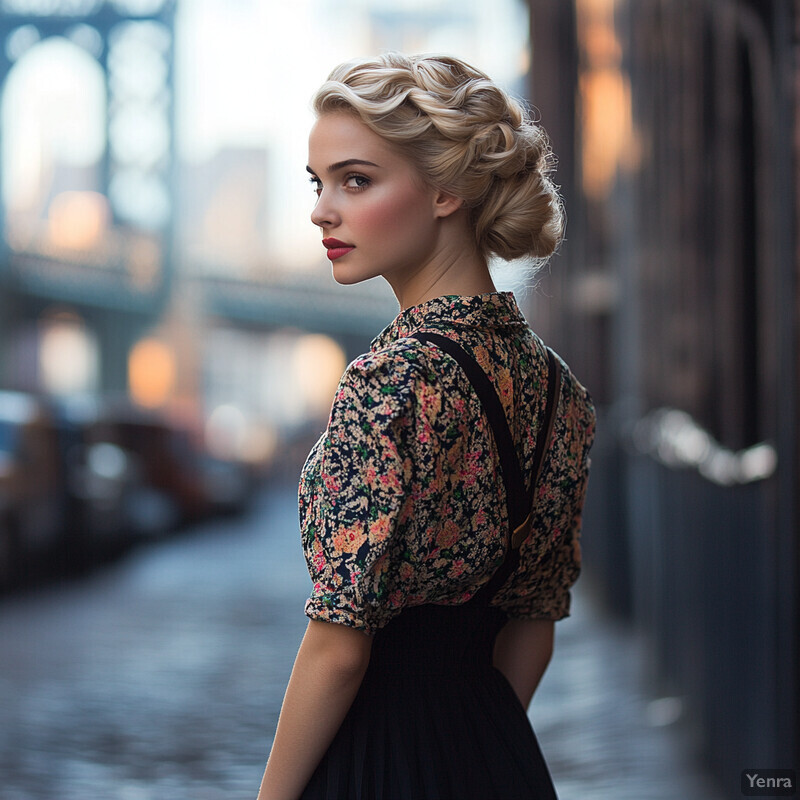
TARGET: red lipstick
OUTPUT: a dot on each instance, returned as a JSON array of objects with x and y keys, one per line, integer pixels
[{"x": 337, "y": 249}]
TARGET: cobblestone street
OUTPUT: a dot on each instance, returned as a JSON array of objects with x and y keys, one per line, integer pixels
[{"x": 161, "y": 677}]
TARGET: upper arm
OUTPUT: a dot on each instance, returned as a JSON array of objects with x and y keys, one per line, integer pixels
[
  {"x": 356, "y": 496},
  {"x": 343, "y": 650}
]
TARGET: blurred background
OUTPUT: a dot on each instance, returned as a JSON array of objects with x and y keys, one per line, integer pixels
[{"x": 171, "y": 338}]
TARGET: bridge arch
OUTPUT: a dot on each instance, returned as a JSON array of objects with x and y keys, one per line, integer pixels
[{"x": 54, "y": 133}]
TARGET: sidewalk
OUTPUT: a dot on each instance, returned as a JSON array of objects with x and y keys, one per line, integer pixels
[{"x": 602, "y": 734}]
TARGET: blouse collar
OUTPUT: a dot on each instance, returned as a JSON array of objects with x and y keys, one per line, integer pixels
[{"x": 491, "y": 310}]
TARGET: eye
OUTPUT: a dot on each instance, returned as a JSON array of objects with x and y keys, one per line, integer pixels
[
  {"x": 316, "y": 184},
  {"x": 357, "y": 182}
]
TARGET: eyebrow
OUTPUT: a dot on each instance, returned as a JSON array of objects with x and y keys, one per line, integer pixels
[{"x": 350, "y": 162}]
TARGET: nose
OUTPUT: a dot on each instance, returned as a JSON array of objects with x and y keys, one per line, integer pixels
[{"x": 325, "y": 214}]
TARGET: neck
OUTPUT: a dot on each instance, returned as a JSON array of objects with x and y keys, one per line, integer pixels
[
  {"x": 455, "y": 280},
  {"x": 457, "y": 269}
]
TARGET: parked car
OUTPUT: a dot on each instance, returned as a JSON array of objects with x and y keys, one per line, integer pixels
[
  {"x": 8, "y": 543},
  {"x": 229, "y": 485},
  {"x": 31, "y": 478},
  {"x": 98, "y": 477},
  {"x": 81, "y": 480},
  {"x": 176, "y": 480}
]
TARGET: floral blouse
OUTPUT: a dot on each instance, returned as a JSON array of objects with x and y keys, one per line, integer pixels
[{"x": 402, "y": 500}]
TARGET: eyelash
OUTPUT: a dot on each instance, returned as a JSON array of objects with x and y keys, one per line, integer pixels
[{"x": 316, "y": 183}]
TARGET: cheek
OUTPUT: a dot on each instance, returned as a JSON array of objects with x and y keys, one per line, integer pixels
[{"x": 395, "y": 212}]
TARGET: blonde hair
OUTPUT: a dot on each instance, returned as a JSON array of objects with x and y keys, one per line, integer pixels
[{"x": 465, "y": 135}]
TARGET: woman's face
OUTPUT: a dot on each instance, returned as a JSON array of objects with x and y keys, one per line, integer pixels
[{"x": 375, "y": 212}]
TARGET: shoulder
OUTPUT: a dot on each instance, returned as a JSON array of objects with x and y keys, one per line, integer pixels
[
  {"x": 576, "y": 406},
  {"x": 387, "y": 382},
  {"x": 577, "y": 412},
  {"x": 574, "y": 394}
]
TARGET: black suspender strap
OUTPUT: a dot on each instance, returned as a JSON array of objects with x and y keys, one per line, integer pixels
[
  {"x": 523, "y": 529},
  {"x": 516, "y": 494},
  {"x": 519, "y": 500}
]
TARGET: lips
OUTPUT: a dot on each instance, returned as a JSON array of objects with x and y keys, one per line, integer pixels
[{"x": 337, "y": 249}]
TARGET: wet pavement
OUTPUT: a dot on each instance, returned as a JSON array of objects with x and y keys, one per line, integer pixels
[
  {"x": 602, "y": 732},
  {"x": 160, "y": 678}
]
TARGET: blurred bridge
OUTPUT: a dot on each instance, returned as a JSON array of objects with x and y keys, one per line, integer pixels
[
  {"x": 98, "y": 243},
  {"x": 119, "y": 309}
]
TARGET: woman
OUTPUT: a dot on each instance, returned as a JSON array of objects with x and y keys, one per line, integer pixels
[{"x": 438, "y": 570}]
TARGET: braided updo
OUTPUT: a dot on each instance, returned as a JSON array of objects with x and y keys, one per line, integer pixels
[{"x": 465, "y": 135}]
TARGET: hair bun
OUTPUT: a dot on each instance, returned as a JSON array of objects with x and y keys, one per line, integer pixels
[{"x": 521, "y": 213}]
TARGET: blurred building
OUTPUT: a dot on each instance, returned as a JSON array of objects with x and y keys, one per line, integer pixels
[
  {"x": 677, "y": 305},
  {"x": 223, "y": 214}
]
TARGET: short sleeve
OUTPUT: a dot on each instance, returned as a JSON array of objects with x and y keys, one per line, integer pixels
[
  {"x": 550, "y": 560},
  {"x": 356, "y": 498}
]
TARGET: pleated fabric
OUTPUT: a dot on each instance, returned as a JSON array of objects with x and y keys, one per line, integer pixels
[{"x": 434, "y": 720}]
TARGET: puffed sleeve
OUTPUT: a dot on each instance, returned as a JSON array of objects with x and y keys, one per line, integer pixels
[
  {"x": 355, "y": 497},
  {"x": 550, "y": 560}
]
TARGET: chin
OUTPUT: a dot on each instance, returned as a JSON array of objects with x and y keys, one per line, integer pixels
[{"x": 347, "y": 277}]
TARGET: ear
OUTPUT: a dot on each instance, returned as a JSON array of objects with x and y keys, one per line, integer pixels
[{"x": 445, "y": 204}]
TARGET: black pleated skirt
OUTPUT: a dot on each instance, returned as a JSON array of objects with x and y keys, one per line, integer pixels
[{"x": 433, "y": 719}]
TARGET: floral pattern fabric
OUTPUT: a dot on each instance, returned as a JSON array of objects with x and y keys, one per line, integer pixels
[{"x": 402, "y": 500}]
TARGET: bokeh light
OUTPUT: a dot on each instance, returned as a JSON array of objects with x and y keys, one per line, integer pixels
[
  {"x": 318, "y": 362},
  {"x": 78, "y": 219},
  {"x": 68, "y": 356},
  {"x": 151, "y": 373}
]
